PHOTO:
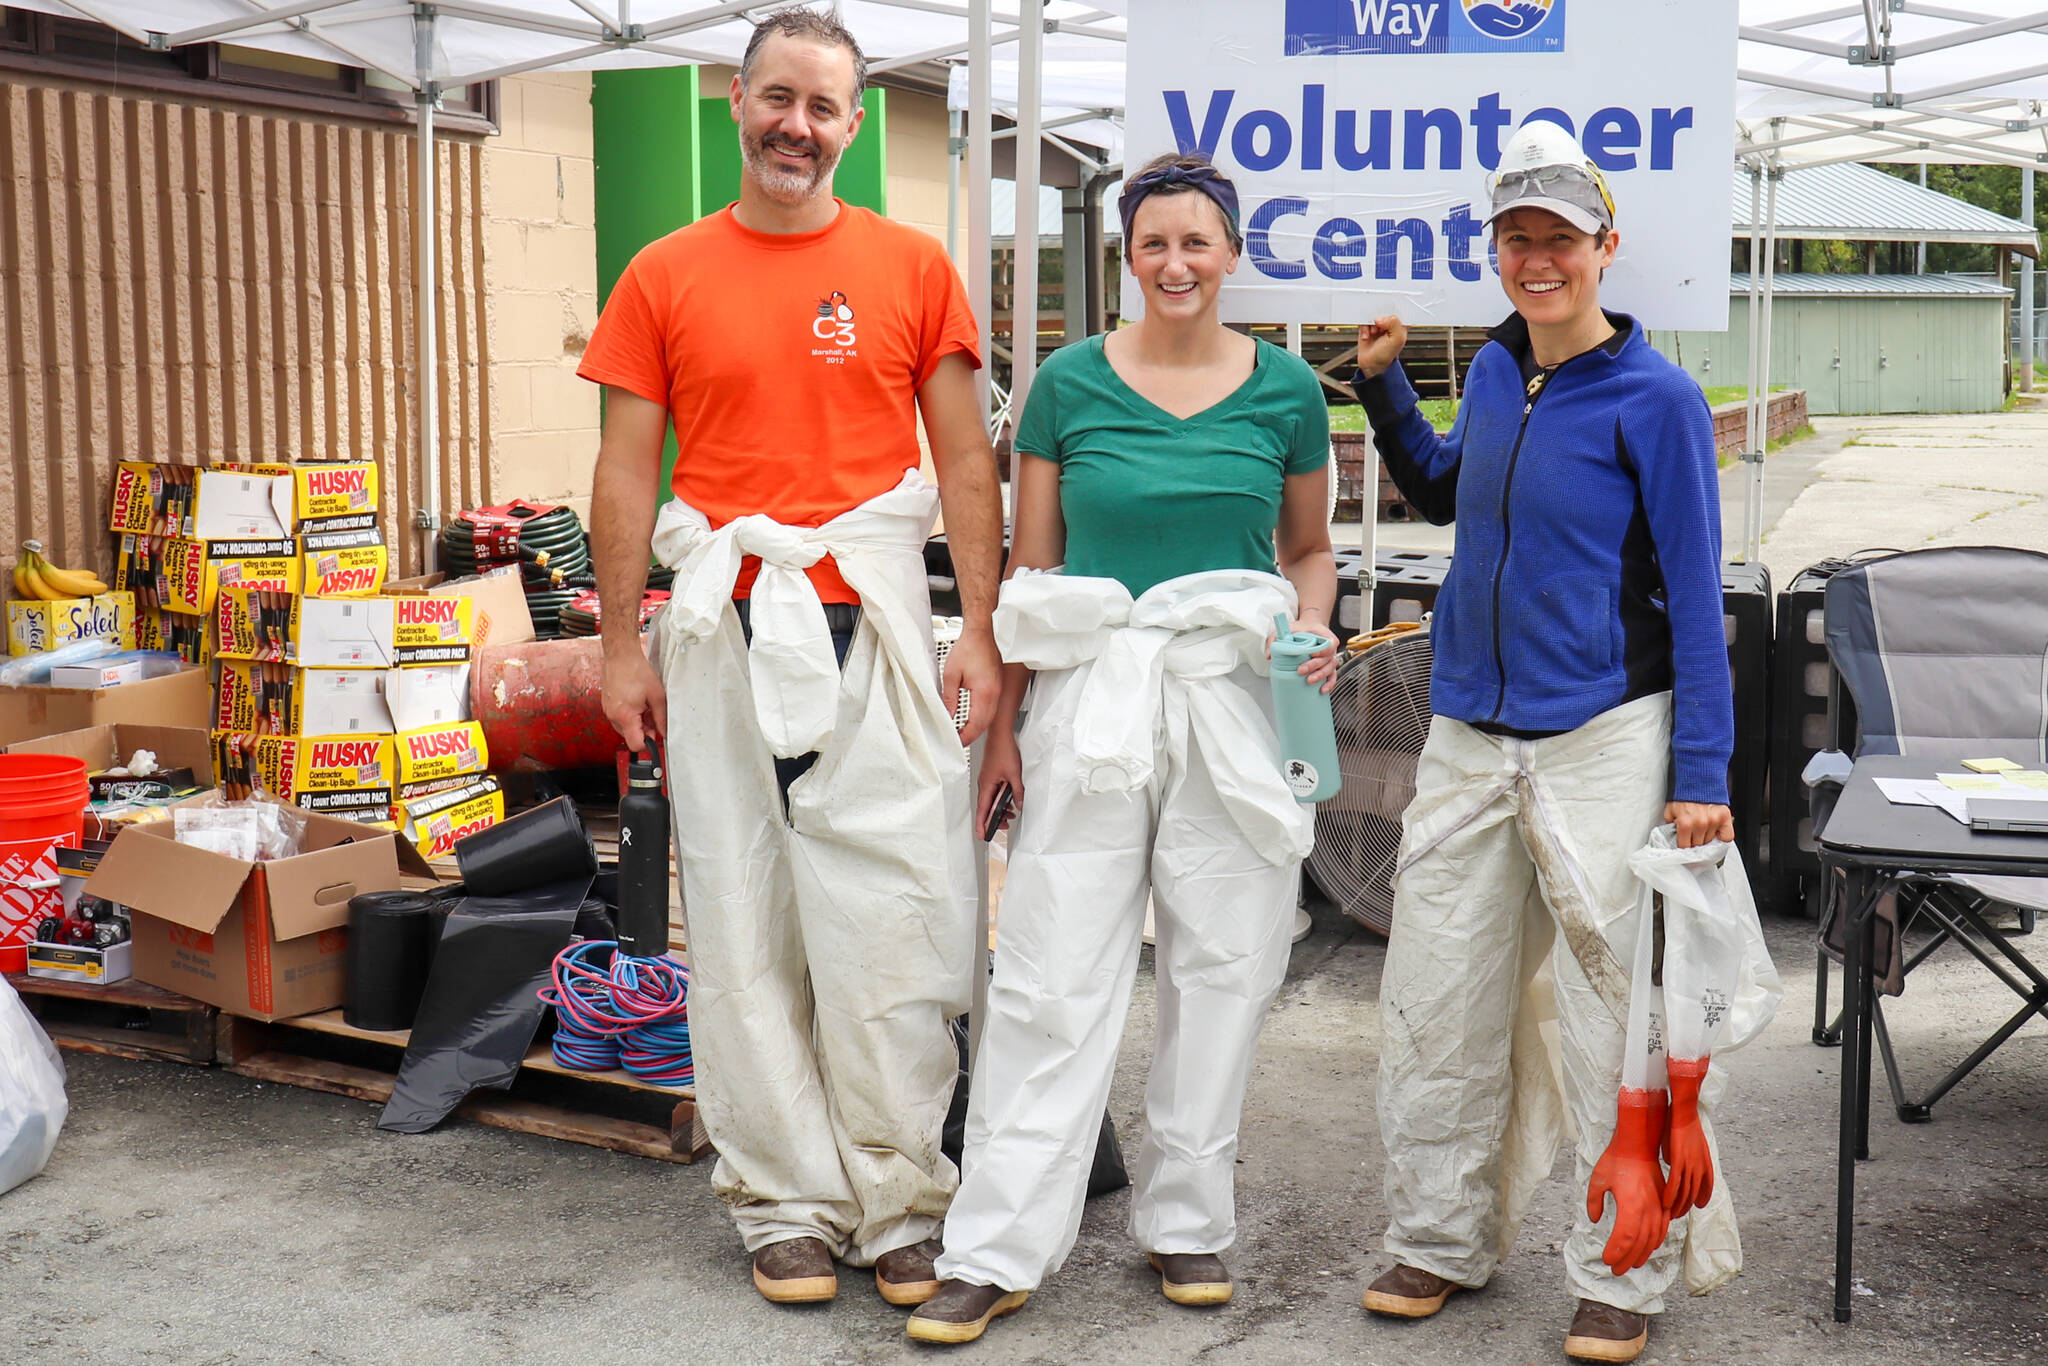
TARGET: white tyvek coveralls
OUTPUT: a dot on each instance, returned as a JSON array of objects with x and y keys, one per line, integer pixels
[
  {"x": 1507, "y": 842},
  {"x": 826, "y": 951},
  {"x": 1149, "y": 758}
]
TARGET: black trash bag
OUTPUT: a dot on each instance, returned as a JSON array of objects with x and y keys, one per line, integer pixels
[
  {"x": 1108, "y": 1174},
  {"x": 481, "y": 1008}
]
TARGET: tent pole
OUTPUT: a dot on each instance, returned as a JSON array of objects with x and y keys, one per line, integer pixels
[
  {"x": 956, "y": 148},
  {"x": 1024, "y": 301},
  {"x": 980, "y": 148},
  {"x": 1760, "y": 393},
  {"x": 980, "y": 152},
  {"x": 1752, "y": 492},
  {"x": 2027, "y": 287},
  {"x": 425, "y": 212}
]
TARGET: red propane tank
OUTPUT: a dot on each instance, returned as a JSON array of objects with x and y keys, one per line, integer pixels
[{"x": 541, "y": 704}]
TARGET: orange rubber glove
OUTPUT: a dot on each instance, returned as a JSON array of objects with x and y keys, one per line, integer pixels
[
  {"x": 1629, "y": 1172},
  {"x": 1691, "y": 1183}
]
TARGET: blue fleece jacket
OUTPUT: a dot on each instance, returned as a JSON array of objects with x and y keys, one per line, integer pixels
[{"x": 1587, "y": 568}]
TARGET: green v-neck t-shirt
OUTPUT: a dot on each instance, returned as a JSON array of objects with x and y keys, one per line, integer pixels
[{"x": 1148, "y": 496}]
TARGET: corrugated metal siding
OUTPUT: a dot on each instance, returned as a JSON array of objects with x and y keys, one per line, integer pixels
[
  {"x": 1938, "y": 286},
  {"x": 1863, "y": 355},
  {"x": 1852, "y": 202},
  {"x": 185, "y": 282}
]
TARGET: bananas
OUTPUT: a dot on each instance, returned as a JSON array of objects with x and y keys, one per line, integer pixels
[{"x": 36, "y": 579}]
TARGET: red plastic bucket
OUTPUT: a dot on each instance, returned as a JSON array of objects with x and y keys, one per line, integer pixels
[{"x": 42, "y": 805}]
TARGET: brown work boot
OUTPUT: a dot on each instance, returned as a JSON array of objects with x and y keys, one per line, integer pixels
[
  {"x": 961, "y": 1311},
  {"x": 1406, "y": 1292},
  {"x": 905, "y": 1276},
  {"x": 1600, "y": 1332},
  {"x": 1192, "y": 1277},
  {"x": 796, "y": 1271}
]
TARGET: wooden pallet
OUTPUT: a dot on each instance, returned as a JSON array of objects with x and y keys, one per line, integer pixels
[
  {"x": 613, "y": 1110},
  {"x": 123, "y": 1020}
]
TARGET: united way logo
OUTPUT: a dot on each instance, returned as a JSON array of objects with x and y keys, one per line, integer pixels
[
  {"x": 1507, "y": 21},
  {"x": 1397, "y": 27}
]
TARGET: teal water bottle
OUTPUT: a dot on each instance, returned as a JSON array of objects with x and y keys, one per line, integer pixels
[{"x": 1301, "y": 709}]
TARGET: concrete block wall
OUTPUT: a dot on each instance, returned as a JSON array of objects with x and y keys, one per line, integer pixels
[{"x": 540, "y": 266}]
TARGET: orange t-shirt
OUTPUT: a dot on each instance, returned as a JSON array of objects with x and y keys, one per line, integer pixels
[{"x": 790, "y": 364}]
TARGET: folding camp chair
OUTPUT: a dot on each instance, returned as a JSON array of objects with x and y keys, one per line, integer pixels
[{"x": 1945, "y": 655}]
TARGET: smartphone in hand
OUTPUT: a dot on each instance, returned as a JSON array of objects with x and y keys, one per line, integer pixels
[{"x": 998, "y": 812}]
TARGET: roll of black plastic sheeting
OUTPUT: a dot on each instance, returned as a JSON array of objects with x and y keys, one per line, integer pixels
[
  {"x": 388, "y": 948},
  {"x": 535, "y": 848},
  {"x": 482, "y": 1005}
]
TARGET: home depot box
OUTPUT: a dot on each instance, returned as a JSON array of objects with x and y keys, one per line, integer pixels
[
  {"x": 205, "y": 503},
  {"x": 280, "y": 698},
  {"x": 343, "y": 556},
  {"x": 179, "y": 699},
  {"x": 264, "y": 940},
  {"x": 498, "y": 611},
  {"x": 192, "y": 572},
  {"x": 189, "y": 636},
  {"x": 434, "y": 824},
  {"x": 438, "y": 756},
  {"x": 353, "y": 777},
  {"x": 323, "y": 633}
]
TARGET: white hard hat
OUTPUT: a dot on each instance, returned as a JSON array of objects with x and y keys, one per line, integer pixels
[{"x": 1543, "y": 167}]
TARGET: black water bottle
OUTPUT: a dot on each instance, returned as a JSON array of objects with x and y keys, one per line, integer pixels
[{"x": 643, "y": 862}]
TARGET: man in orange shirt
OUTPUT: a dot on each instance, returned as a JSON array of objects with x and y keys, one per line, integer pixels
[{"x": 819, "y": 789}]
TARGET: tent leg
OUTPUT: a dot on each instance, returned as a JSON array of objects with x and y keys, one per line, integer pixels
[
  {"x": 426, "y": 278},
  {"x": 1030, "y": 150},
  {"x": 1752, "y": 442},
  {"x": 980, "y": 171},
  {"x": 1760, "y": 390}
]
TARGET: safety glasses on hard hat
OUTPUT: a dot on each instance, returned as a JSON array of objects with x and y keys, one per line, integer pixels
[{"x": 1582, "y": 187}]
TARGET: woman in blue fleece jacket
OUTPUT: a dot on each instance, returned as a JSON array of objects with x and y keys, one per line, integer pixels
[{"x": 1581, "y": 696}]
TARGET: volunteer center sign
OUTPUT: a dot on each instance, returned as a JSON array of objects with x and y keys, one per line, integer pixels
[{"x": 1361, "y": 132}]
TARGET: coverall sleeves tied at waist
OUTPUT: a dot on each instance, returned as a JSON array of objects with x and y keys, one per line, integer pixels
[
  {"x": 829, "y": 941},
  {"x": 1158, "y": 661}
]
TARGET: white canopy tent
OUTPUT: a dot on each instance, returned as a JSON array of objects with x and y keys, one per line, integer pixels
[
  {"x": 1878, "y": 80},
  {"x": 1896, "y": 80}
]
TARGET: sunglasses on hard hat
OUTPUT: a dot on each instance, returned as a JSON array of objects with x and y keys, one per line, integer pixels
[{"x": 1582, "y": 186}]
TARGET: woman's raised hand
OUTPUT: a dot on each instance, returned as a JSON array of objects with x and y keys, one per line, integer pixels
[{"x": 1379, "y": 344}]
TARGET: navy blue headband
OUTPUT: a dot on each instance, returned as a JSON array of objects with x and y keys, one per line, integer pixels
[{"x": 1207, "y": 179}]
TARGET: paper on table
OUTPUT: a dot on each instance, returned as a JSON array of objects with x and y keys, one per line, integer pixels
[
  {"x": 1990, "y": 765},
  {"x": 2029, "y": 777},
  {"x": 2001, "y": 785},
  {"x": 1921, "y": 792}
]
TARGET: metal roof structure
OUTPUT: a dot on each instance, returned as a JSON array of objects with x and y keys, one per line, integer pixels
[
  {"x": 1847, "y": 202},
  {"x": 1817, "y": 286}
]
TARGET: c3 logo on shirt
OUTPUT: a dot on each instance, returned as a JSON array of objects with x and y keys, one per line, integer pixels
[{"x": 834, "y": 322}]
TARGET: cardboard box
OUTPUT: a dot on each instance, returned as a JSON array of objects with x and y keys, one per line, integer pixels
[
  {"x": 282, "y": 699},
  {"x": 343, "y": 556},
  {"x": 323, "y": 633},
  {"x": 179, "y": 750},
  {"x": 353, "y": 777},
  {"x": 424, "y": 695},
  {"x": 329, "y": 489},
  {"x": 193, "y": 572},
  {"x": 179, "y": 699},
  {"x": 433, "y": 825},
  {"x": 208, "y": 503},
  {"x": 264, "y": 940},
  {"x": 96, "y": 675},
  {"x": 433, "y": 628},
  {"x": 189, "y": 636},
  {"x": 432, "y": 756},
  {"x": 35, "y": 626},
  {"x": 498, "y": 604}
]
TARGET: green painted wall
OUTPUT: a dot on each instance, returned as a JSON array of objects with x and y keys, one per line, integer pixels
[
  {"x": 648, "y": 139},
  {"x": 1863, "y": 355}
]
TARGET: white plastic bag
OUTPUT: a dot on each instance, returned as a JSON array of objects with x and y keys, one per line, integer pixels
[
  {"x": 1720, "y": 987},
  {"x": 32, "y": 1100},
  {"x": 1643, "y": 1066}
]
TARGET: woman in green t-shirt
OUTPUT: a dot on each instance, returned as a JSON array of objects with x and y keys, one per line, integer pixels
[{"x": 1179, "y": 472}]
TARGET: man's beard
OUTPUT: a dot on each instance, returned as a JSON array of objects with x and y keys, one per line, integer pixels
[{"x": 783, "y": 183}]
